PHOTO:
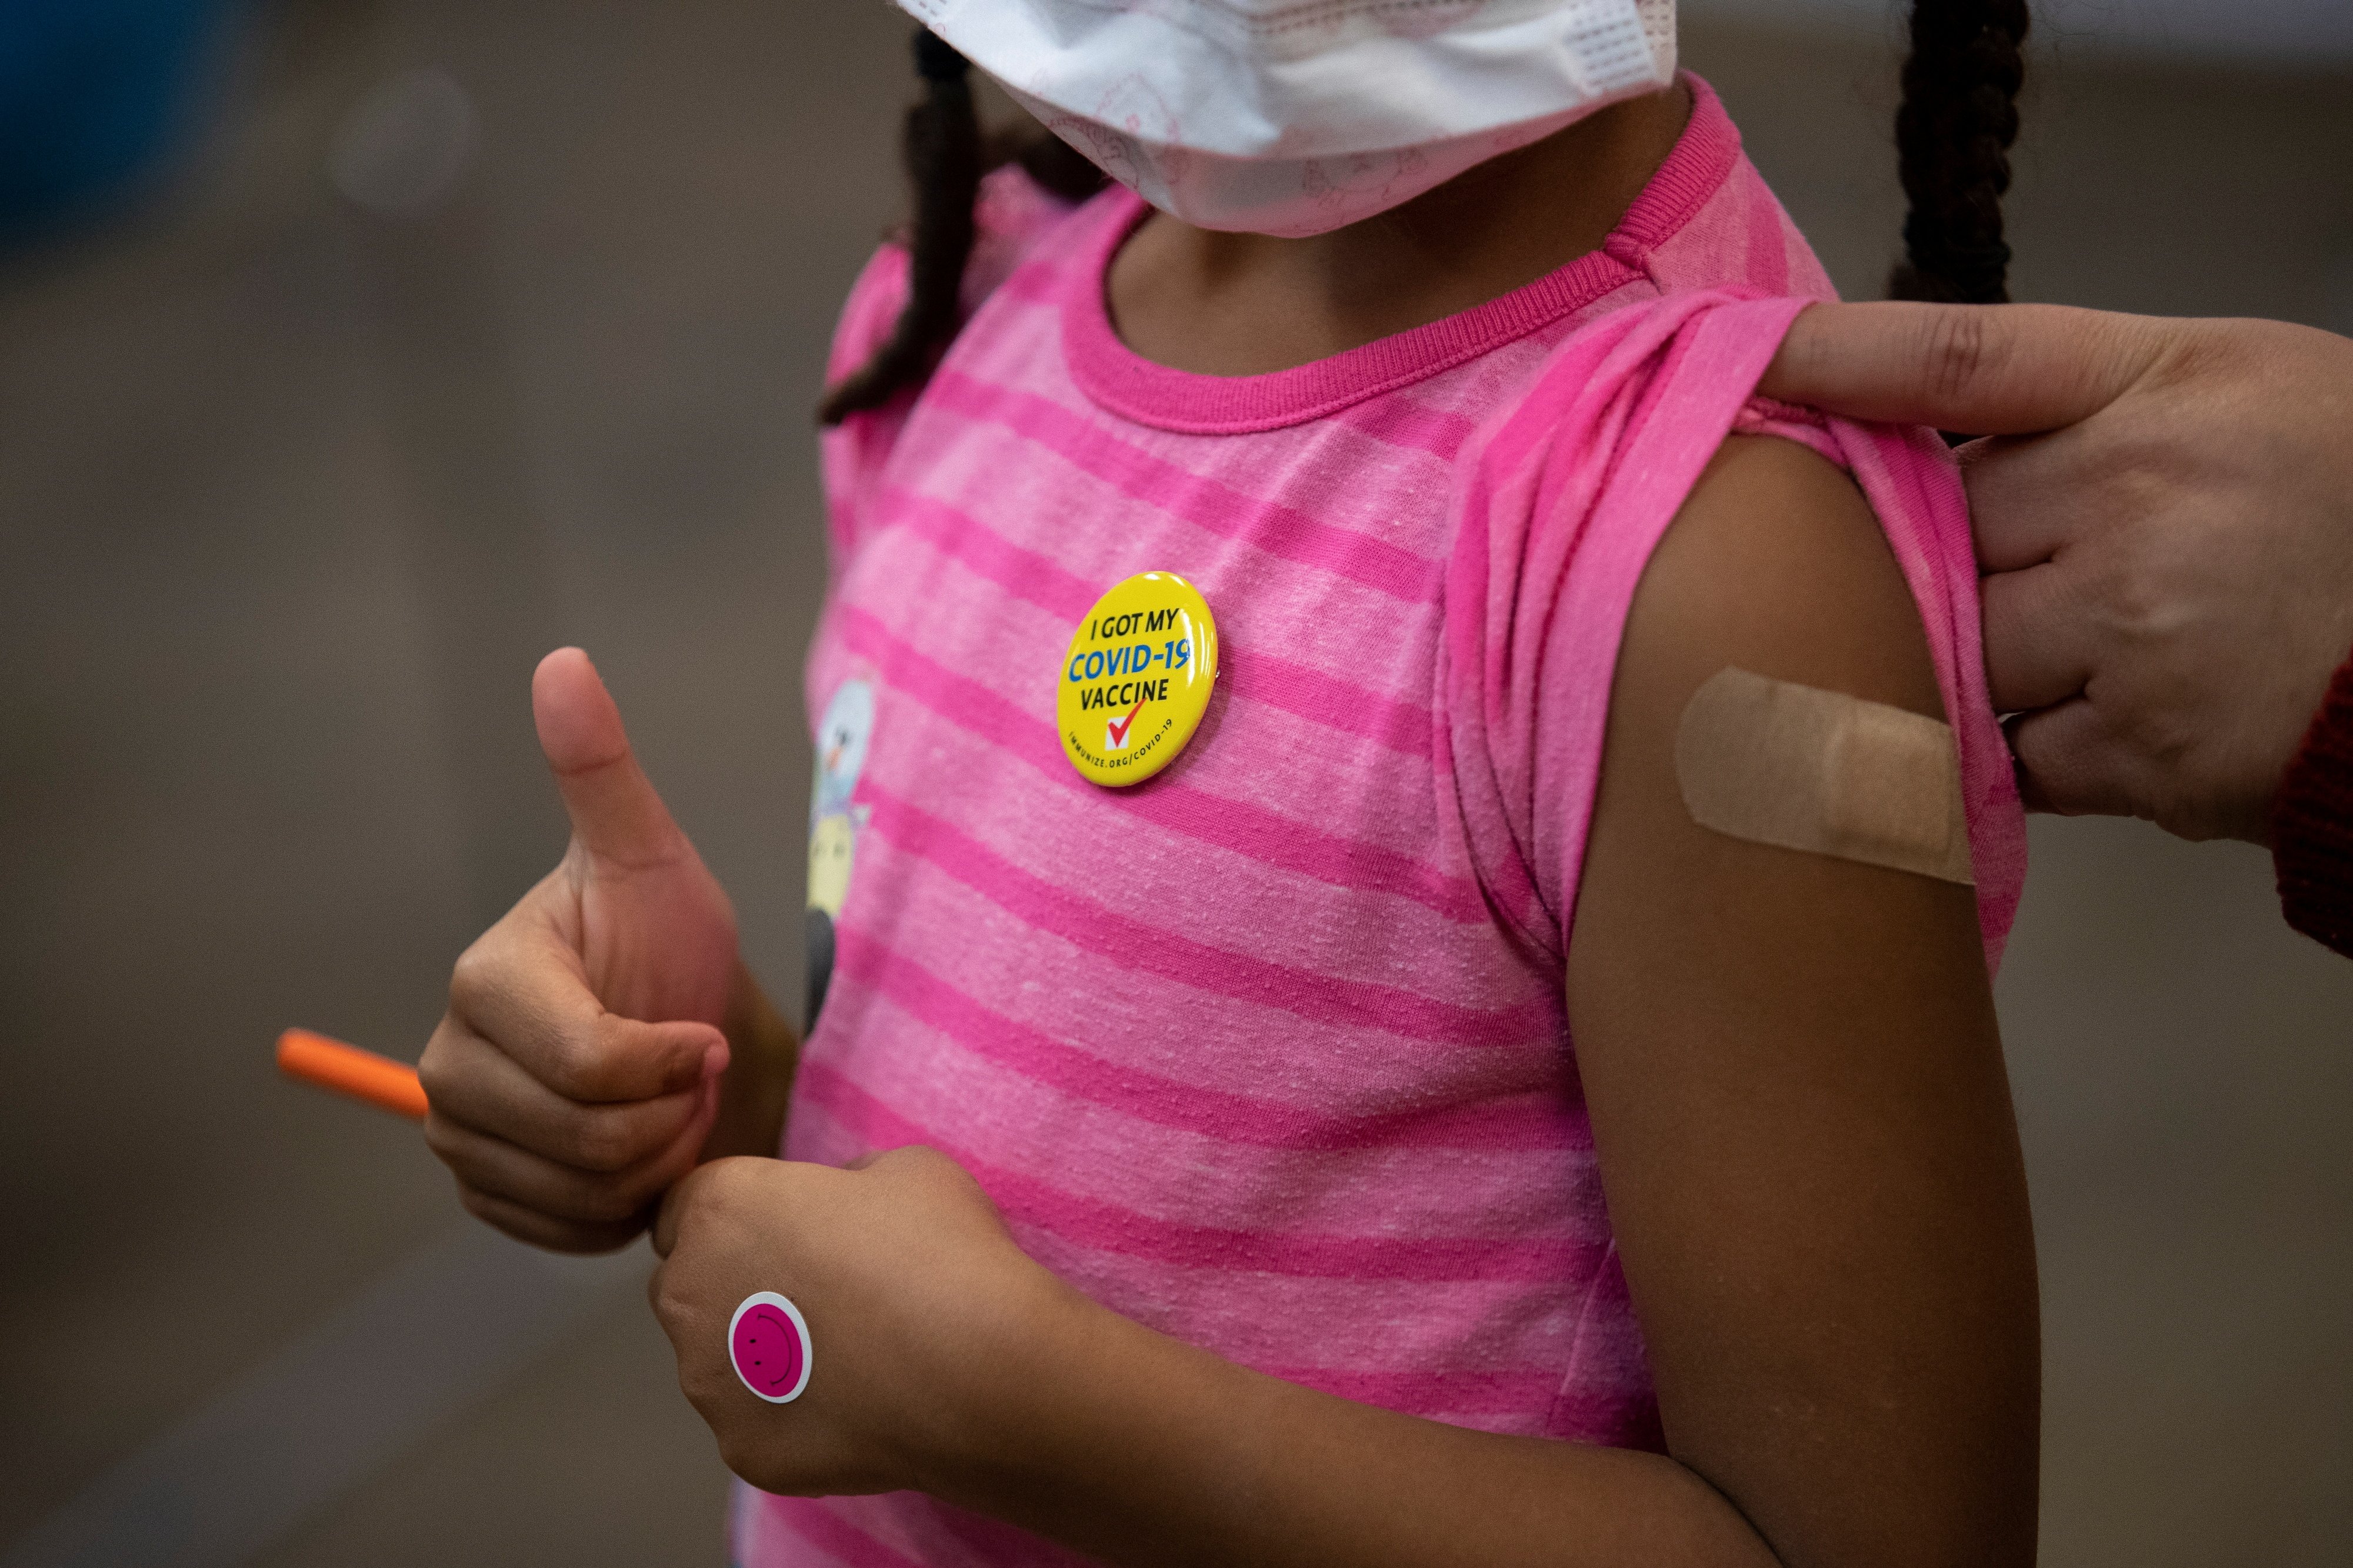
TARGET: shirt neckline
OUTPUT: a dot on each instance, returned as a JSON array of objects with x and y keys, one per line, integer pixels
[{"x": 1126, "y": 384}]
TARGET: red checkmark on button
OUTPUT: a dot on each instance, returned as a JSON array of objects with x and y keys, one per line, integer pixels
[{"x": 1119, "y": 726}]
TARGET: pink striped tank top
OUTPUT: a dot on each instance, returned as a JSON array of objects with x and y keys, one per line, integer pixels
[{"x": 1269, "y": 1053}]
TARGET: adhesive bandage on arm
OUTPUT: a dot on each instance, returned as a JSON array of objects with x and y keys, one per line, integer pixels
[{"x": 1776, "y": 762}]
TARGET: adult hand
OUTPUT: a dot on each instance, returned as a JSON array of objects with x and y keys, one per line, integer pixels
[
  {"x": 576, "y": 1072},
  {"x": 2165, "y": 514},
  {"x": 925, "y": 1319}
]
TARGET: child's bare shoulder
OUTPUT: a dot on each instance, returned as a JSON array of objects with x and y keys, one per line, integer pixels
[{"x": 1775, "y": 563}]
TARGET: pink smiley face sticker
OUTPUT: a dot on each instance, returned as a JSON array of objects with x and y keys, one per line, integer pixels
[{"x": 768, "y": 1341}]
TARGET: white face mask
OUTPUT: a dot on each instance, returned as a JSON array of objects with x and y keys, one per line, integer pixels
[{"x": 1294, "y": 117}]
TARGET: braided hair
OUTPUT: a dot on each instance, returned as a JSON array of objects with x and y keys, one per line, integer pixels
[
  {"x": 945, "y": 156},
  {"x": 1953, "y": 134},
  {"x": 940, "y": 147}
]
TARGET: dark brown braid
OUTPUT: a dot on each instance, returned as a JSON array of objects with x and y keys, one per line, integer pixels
[
  {"x": 1953, "y": 134},
  {"x": 945, "y": 155},
  {"x": 941, "y": 150}
]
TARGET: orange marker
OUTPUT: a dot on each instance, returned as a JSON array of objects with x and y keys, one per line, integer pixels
[{"x": 347, "y": 1069}]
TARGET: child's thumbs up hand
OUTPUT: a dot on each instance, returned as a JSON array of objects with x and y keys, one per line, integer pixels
[
  {"x": 576, "y": 1075},
  {"x": 654, "y": 933}
]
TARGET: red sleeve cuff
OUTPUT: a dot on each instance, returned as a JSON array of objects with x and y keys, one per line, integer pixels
[{"x": 2312, "y": 825}]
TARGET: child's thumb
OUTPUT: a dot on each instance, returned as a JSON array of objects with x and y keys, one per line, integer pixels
[{"x": 616, "y": 814}]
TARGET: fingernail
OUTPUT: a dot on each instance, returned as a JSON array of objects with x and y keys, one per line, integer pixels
[{"x": 715, "y": 1061}]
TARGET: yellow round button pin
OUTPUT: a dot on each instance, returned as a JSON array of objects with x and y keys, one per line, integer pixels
[{"x": 1136, "y": 678}]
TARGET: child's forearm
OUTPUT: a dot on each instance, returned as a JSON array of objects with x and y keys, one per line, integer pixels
[
  {"x": 1142, "y": 1450},
  {"x": 763, "y": 1052}
]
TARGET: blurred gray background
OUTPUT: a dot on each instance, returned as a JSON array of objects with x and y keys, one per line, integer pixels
[{"x": 470, "y": 329}]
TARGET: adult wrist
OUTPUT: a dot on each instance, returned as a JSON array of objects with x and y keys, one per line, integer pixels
[{"x": 2312, "y": 824}]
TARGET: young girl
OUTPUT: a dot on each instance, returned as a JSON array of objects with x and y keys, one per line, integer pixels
[{"x": 1396, "y": 1131}]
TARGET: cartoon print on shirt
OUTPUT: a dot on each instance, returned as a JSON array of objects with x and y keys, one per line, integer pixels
[{"x": 842, "y": 737}]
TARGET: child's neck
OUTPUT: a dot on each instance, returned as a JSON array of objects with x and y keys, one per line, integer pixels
[{"x": 1246, "y": 304}]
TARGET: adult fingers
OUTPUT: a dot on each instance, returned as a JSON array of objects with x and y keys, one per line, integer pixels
[
  {"x": 615, "y": 814},
  {"x": 473, "y": 1083},
  {"x": 2030, "y": 496},
  {"x": 520, "y": 988},
  {"x": 2071, "y": 762},
  {"x": 1981, "y": 369},
  {"x": 2038, "y": 637}
]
